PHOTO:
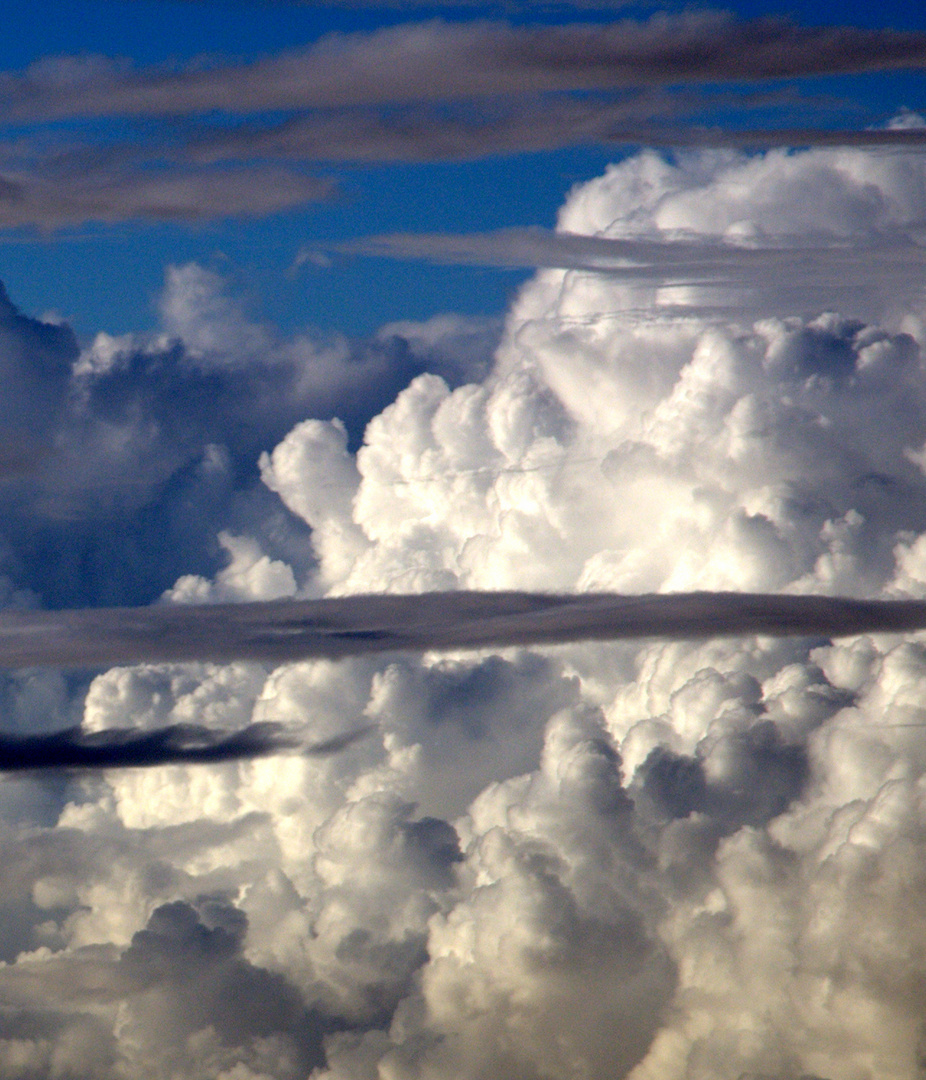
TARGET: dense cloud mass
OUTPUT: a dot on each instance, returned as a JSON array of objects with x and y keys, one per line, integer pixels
[{"x": 647, "y": 860}]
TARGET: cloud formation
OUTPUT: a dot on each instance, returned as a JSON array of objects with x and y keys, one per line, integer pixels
[
  {"x": 418, "y": 91},
  {"x": 286, "y": 630},
  {"x": 439, "y": 61},
  {"x": 176, "y": 744},
  {"x": 645, "y": 859},
  {"x": 152, "y": 440}
]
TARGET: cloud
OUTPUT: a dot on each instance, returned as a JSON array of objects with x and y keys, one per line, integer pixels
[
  {"x": 286, "y": 630},
  {"x": 161, "y": 194},
  {"x": 738, "y": 264},
  {"x": 418, "y": 91},
  {"x": 651, "y": 859},
  {"x": 175, "y": 744},
  {"x": 410, "y": 63},
  {"x": 158, "y": 436}
]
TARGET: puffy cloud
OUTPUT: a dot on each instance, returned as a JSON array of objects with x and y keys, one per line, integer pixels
[
  {"x": 657, "y": 859},
  {"x": 126, "y": 459}
]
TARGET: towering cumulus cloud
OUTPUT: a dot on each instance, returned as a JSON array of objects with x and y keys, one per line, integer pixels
[{"x": 643, "y": 860}]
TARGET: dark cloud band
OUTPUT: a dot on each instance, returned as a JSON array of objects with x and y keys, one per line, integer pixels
[
  {"x": 177, "y": 744},
  {"x": 279, "y": 631}
]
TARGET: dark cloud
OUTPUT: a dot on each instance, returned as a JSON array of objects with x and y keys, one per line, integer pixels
[
  {"x": 762, "y": 776},
  {"x": 176, "y": 744},
  {"x": 355, "y": 625},
  {"x": 122, "y": 462},
  {"x": 214, "y": 170},
  {"x": 190, "y": 957}
]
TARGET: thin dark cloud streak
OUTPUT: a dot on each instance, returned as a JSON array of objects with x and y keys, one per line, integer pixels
[
  {"x": 163, "y": 194},
  {"x": 176, "y": 744},
  {"x": 289, "y": 630},
  {"x": 440, "y": 61}
]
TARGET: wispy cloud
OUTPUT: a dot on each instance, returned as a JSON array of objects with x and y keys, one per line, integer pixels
[
  {"x": 166, "y": 194},
  {"x": 632, "y": 258}
]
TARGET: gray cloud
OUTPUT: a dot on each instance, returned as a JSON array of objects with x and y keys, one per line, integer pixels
[
  {"x": 167, "y": 194},
  {"x": 356, "y": 625},
  {"x": 418, "y": 92},
  {"x": 436, "y": 61},
  {"x": 651, "y": 261}
]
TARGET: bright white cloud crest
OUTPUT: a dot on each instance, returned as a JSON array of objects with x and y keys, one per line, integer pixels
[{"x": 656, "y": 861}]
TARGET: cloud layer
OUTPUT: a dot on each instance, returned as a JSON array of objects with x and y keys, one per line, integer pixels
[
  {"x": 281, "y": 630},
  {"x": 654, "y": 860},
  {"x": 238, "y": 138}
]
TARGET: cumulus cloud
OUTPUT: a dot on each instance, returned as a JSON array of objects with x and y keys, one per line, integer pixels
[
  {"x": 158, "y": 437},
  {"x": 655, "y": 860}
]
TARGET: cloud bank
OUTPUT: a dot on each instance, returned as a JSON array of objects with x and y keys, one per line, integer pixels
[{"x": 645, "y": 859}]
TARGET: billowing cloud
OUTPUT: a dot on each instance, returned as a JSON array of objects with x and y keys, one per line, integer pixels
[
  {"x": 158, "y": 437},
  {"x": 653, "y": 860}
]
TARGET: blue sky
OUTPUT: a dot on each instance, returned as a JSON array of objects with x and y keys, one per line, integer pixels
[{"x": 107, "y": 276}]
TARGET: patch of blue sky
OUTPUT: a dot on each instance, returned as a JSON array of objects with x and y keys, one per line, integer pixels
[{"x": 107, "y": 277}]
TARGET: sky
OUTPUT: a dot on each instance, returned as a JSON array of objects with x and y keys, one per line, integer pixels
[{"x": 304, "y": 302}]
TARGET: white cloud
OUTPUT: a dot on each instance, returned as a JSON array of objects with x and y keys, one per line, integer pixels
[{"x": 659, "y": 861}]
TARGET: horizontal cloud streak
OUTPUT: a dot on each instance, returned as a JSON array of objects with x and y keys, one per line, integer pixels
[
  {"x": 279, "y": 631},
  {"x": 176, "y": 744},
  {"x": 437, "y": 61},
  {"x": 635, "y": 258},
  {"x": 164, "y": 194},
  {"x": 420, "y": 91}
]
